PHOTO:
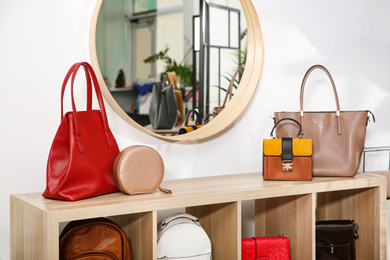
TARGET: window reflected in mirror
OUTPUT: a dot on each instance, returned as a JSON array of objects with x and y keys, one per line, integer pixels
[{"x": 203, "y": 42}]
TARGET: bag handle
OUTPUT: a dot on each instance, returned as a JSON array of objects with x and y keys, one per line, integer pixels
[
  {"x": 338, "y": 114},
  {"x": 172, "y": 78},
  {"x": 188, "y": 114},
  {"x": 287, "y": 118},
  {"x": 101, "y": 103},
  {"x": 89, "y": 74},
  {"x": 164, "y": 83},
  {"x": 89, "y": 89},
  {"x": 166, "y": 221},
  {"x": 229, "y": 91}
]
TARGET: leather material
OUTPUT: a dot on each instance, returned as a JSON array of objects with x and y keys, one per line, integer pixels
[
  {"x": 265, "y": 248},
  {"x": 83, "y": 150},
  {"x": 163, "y": 106},
  {"x": 273, "y": 169},
  {"x": 338, "y": 136},
  {"x": 172, "y": 79},
  {"x": 188, "y": 129},
  {"x": 287, "y": 158},
  {"x": 182, "y": 237},
  {"x": 97, "y": 239},
  {"x": 138, "y": 169},
  {"x": 180, "y": 107},
  {"x": 287, "y": 149},
  {"x": 301, "y": 147},
  {"x": 229, "y": 92},
  {"x": 335, "y": 240}
]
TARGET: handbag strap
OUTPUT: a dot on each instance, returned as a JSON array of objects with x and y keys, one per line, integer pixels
[
  {"x": 89, "y": 88},
  {"x": 334, "y": 91},
  {"x": 195, "y": 113},
  {"x": 90, "y": 74},
  {"x": 287, "y": 118},
  {"x": 229, "y": 91},
  {"x": 101, "y": 104},
  {"x": 172, "y": 78},
  {"x": 166, "y": 221}
]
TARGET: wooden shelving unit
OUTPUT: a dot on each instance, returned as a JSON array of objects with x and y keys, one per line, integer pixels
[{"x": 280, "y": 208}]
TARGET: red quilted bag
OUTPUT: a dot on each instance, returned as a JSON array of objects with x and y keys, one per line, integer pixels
[
  {"x": 265, "y": 248},
  {"x": 83, "y": 151}
]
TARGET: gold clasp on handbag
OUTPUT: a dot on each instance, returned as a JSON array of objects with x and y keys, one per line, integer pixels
[{"x": 287, "y": 166}]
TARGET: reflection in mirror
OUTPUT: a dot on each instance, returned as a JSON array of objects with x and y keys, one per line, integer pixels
[{"x": 137, "y": 42}]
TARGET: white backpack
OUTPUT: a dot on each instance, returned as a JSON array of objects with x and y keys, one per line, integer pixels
[{"x": 182, "y": 237}]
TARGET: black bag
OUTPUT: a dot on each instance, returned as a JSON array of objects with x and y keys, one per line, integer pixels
[
  {"x": 335, "y": 239},
  {"x": 163, "y": 106}
]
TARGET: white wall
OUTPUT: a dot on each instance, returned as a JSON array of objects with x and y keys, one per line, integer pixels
[
  {"x": 170, "y": 20},
  {"x": 113, "y": 35},
  {"x": 41, "y": 39}
]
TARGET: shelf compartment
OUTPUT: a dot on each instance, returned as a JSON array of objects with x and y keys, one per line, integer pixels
[
  {"x": 281, "y": 207},
  {"x": 222, "y": 223},
  {"x": 361, "y": 206},
  {"x": 289, "y": 215}
]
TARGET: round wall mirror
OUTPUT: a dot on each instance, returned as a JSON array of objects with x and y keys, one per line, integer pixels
[{"x": 133, "y": 44}]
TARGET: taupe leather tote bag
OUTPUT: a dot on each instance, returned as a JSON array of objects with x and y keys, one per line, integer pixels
[{"x": 338, "y": 136}]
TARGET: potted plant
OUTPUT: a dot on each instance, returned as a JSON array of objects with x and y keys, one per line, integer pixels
[{"x": 183, "y": 70}]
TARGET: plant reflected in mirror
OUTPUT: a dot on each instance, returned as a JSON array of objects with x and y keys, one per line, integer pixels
[
  {"x": 183, "y": 70},
  {"x": 145, "y": 45}
]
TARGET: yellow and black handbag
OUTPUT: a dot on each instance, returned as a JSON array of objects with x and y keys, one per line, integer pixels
[
  {"x": 287, "y": 158},
  {"x": 189, "y": 128}
]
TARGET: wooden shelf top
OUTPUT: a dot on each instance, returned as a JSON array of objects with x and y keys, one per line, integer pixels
[{"x": 195, "y": 191}]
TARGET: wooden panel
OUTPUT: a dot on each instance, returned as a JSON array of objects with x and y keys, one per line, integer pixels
[
  {"x": 363, "y": 206},
  {"x": 260, "y": 218},
  {"x": 32, "y": 232},
  {"x": 281, "y": 207},
  {"x": 194, "y": 192},
  {"x": 141, "y": 231},
  {"x": 222, "y": 223},
  {"x": 292, "y": 216}
]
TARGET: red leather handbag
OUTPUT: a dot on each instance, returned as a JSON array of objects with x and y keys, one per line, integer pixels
[
  {"x": 275, "y": 248},
  {"x": 83, "y": 150}
]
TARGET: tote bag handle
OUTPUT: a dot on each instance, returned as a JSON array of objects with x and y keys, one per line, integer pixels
[
  {"x": 89, "y": 73},
  {"x": 334, "y": 91},
  {"x": 89, "y": 88},
  {"x": 229, "y": 91}
]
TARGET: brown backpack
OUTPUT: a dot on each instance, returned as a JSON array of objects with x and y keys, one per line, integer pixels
[{"x": 99, "y": 239}]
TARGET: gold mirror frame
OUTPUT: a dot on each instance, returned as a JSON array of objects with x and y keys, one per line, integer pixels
[{"x": 237, "y": 104}]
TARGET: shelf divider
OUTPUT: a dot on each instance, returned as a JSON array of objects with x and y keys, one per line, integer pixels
[
  {"x": 141, "y": 232},
  {"x": 222, "y": 223}
]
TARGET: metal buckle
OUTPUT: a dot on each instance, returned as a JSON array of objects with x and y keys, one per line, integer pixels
[
  {"x": 331, "y": 248},
  {"x": 287, "y": 166}
]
